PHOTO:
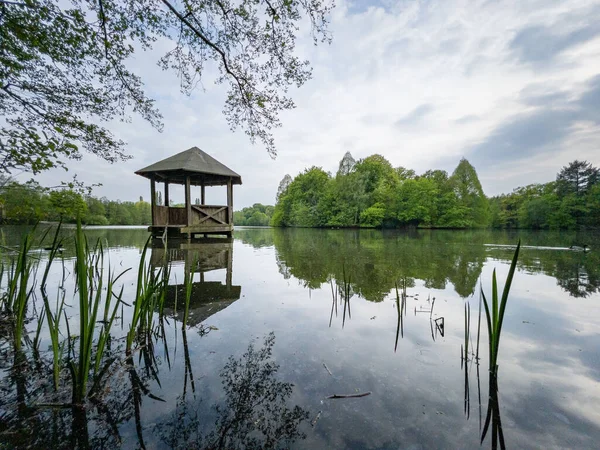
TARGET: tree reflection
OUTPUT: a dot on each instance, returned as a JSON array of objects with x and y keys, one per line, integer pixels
[
  {"x": 254, "y": 415},
  {"x": 376, "y": 259}
]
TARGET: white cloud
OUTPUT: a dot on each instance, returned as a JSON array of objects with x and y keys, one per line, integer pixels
[{"x": 460, "y": 59}]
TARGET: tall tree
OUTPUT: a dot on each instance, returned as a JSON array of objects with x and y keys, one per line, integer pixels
[
  {"x": 577, "y": 178},
  {"x": 346, "y": 164},
  {"x": 64, "y": 68},
  {"x": 469, "y": 193},
  {"x": 283, "y": 185}
]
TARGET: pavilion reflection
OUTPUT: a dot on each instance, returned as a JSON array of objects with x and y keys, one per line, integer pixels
[{"x": 198, "y": 258}]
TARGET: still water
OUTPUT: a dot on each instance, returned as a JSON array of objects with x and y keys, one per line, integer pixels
[{"x": 280, "y": 320}]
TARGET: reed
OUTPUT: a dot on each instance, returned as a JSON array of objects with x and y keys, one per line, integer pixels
[
  {"x": 494, "y": 313},
  {"x": 19, "y": 289},
  {"x": 347, "y": 292},
  {"x": 188, "y": 284},
  {"x": 92, "y": 290},
  {"x": 400, "y": 307},
  {"x": 53, "y": 318},
  {"x": 146, "y": 287}
]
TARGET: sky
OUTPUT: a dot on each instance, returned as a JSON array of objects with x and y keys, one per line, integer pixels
[{"x": 513, "y": 86}]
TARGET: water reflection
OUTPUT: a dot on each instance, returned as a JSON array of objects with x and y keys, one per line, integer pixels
[
  {"x": 376, "y": 259},
  {"x": 207, "y": 297},
  {"x": 254, "y": 414}
]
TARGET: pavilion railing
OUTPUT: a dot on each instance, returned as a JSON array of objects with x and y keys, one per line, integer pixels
[{"x": 201, "y": 216}]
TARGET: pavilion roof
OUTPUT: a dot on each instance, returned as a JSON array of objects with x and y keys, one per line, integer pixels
[{"x": 195, "y": 163}]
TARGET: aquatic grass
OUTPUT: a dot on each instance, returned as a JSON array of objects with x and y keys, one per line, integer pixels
[
  {"x": 143, "y": 296},
  {"x": 53, "y": 318},
  {"x": 89, "y": 302},
  {"x": 188, "y": 285},
  {"x": 334, "y": 297},
  {"x": 347, "y": 293},
  {"x": 494, "y": 319},
  {"x": 19, "y": 289},
  {"x": 401, "y": 308},
  {"x": 91, "y": 292},
  {"x": 465, "y": 347}
]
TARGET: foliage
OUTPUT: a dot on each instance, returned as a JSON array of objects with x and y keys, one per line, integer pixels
[
  {"x": 283, "y": 185},
  {"x": 372, "y": 193},
  {"x": 255, "y": 215},
  {"x": 570, "y": 202},
  {"x": 31, "y": 203},
  {"x": 64, "y": 68}
]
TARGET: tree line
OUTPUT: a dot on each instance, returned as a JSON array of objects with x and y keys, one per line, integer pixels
[
  {"x": 372, "y": 193},
  {"x": 571, "y": 201},
  {"x": 255, "y": 215},
  {"x": 29, "y": 202}
]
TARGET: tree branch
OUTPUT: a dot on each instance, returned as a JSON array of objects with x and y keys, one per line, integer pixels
[{"x": 209, "y": 43}]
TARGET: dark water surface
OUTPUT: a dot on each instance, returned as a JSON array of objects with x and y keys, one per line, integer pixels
[{"x": 266, "y": 301}]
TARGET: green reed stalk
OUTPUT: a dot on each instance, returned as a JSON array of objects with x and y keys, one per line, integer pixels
[
  {"x": 53, "y": 319},
  {"x": 19, "y": 291},
  {"x": 140, "y": 296},
  {"x": 89, "y": 288},
  {"x": 149, "y": 291},
  {"x": 495, "y": 317},
  {"x": 188, "y": 284},
  {"x": 109, "y": 316},
  {"x": 89, "y": 272}
]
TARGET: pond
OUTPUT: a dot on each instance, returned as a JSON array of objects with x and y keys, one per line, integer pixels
[{"x": 281, "y": 320}]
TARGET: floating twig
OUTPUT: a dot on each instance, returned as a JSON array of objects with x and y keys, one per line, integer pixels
[
  {"x": 363, "y": 394},
  {"x": 318, "y": 416},
  {"x": 327, "y": 369}
]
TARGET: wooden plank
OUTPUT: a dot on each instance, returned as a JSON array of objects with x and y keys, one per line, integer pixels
[
  {"x": 177, "y": 216},
  {"x": 207, "y": 229}
]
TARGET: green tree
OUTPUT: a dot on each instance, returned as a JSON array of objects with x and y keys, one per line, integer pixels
[
  {"x": 346, "y": 165},
  {"x": 577, "y": 178},
  {"x": 469, "y": 194},
  {"x": 68, "y": 205},
  {"x": 283, "y": 185},
  {"x": 64, "y": 68},
  {"x": 24, "y": 203},
  {"x": 258, "y": 219},
  {"x": 416, "y": 201},
  {"x": 302, "y": 203}
]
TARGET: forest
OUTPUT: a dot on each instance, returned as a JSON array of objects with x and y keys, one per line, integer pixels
[
  {"x": 368, "y": 193},
  {"x": 30, "y": 203},
  {"x": 371, "y": 193}
]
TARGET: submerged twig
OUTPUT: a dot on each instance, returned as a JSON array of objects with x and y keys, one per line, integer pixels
[{"x": 363, "y": 394}]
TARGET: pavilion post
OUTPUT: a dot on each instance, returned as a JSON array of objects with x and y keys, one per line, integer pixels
[
  {"x": 188, "y": 202},
  {"x": 202, "y": 194},
  {"x": 167, "y": 193},
  {"x": 152, "y": 198},
  {"x": 230, "y": 201},
  {"x": 229, "y": 267}
]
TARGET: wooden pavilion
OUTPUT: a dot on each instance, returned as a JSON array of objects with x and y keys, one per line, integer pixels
[{"x": 192, "y": 167}]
